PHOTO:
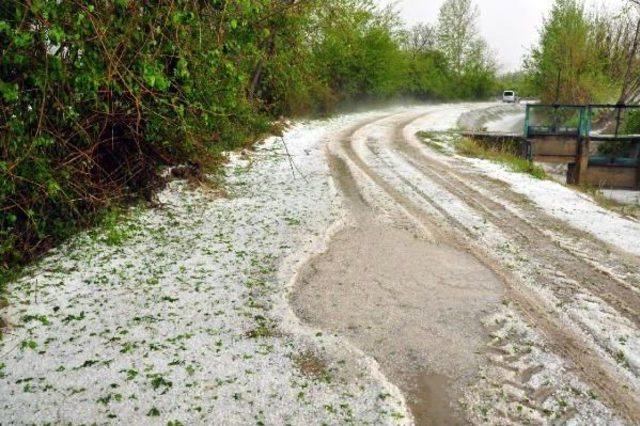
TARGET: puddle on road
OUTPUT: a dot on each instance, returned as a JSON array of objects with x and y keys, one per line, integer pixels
[
  {"x": 413, "y": 305},
  {"x": 430, "y": 401}
]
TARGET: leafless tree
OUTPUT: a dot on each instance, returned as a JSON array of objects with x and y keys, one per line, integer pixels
[
  {"x": 421, "y": 38},
  {"x": 631, "y": 82}
]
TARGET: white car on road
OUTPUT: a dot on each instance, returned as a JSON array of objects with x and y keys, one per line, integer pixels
[{"x": 510, "y": 96}]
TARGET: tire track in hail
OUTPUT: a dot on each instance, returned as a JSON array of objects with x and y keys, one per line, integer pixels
[
  {"x": 561, "y": 340},
  {"x": 616, "y": 292},
  {"x": 346, "y": 181},
  {"x": 416, "y": 213},
  {"x": 431, "y": 387}
]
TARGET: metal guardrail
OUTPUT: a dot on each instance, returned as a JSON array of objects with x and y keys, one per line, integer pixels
[
  {"x": 565, "y": 133},
  {"x": 554, "y": 120},
  {"x": 572, "y": 120}
]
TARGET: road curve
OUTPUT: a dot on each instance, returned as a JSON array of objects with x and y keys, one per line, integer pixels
[{"x": 478, "y": 304}]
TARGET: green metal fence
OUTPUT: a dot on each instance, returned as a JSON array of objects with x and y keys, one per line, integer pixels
[
  {"x": 614, "y": 121},
  {"x": 612, "y": 130}
]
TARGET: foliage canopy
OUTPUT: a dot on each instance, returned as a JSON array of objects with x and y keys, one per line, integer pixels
[{"x": 95, "y": 96}]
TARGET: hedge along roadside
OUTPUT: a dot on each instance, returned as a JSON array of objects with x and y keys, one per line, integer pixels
[{"x": 94, "y": 96}]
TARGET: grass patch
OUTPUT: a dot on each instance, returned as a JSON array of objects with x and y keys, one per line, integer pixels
[
  {"x": 435, "y": 141},
  {"x": 631, "y": 210},
  {"x": 503, "y": 153},
  {"x": 115, "y": 232},
  {"x": 6, "y": 276},
  {"x": 438, "y": 147},
  {"x": 264, "y": 329},
  {"x": 313, "y": 366},
  {"x": 506, "y": 153},
  {"x": 435, "y": 135}
]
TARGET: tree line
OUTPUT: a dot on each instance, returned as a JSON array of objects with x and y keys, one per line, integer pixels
[
  {"x": 95, "y": 96},
  {"x": 585, "y": 56}
]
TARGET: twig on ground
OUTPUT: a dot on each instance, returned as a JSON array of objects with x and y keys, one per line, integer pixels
[{"x": 292, "y": 164}]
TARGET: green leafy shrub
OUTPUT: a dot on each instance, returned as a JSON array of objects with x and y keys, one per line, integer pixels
[{"x": 95, "y": 96}]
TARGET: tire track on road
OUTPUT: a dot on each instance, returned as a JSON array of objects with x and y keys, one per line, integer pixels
[
  {"x": 616, "y": 292},
  {"x": 562, "y": 340}
]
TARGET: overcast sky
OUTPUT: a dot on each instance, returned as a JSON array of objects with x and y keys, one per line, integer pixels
[{"x": 510, "y": 26}]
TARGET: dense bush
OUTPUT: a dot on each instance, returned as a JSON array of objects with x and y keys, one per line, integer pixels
[
  {"x": 94, "y": 96},
  {"x": 430, "y": 77},
  {"x": 358, "y": 55}
]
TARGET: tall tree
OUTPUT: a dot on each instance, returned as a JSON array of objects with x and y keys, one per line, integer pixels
[
  {"x": 569, "y": 66},
  {"x": 458, "y": 31},
  {"x": 467, "y": 53}
]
